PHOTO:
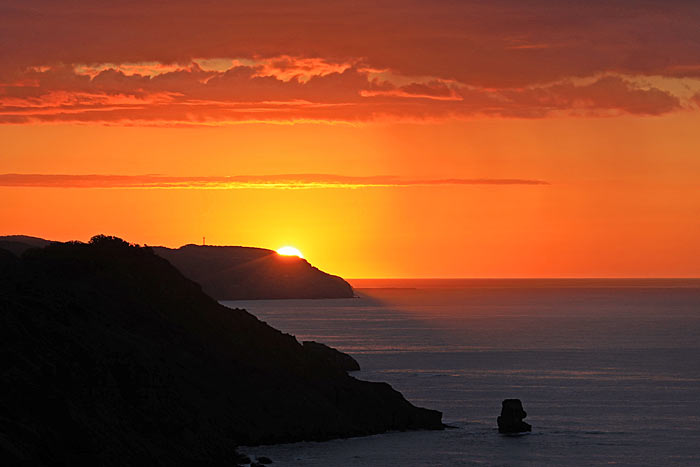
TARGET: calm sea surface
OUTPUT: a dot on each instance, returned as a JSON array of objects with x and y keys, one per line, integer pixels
[{"x": 608, "y": 370}]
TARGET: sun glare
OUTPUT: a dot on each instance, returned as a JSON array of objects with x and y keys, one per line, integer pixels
[{"x": 289, "y": 251}]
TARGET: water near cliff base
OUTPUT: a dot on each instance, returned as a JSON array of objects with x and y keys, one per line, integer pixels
[{"x": 608, "y": 370}]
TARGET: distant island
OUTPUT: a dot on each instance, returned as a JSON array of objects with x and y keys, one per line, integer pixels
[
  {"x": 234, "y": 272},
  {"x": 111, "y": 356}
]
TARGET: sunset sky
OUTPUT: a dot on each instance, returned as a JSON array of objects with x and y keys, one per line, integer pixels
[{"x": 437, "y": 138}]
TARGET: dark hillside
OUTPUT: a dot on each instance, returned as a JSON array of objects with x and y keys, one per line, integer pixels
[
  {"x": 18, "y": 244},
  {"x": 110, "y": 356}
]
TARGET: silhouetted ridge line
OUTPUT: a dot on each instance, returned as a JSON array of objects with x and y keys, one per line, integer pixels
[
  {"x": 235, "y": 272},
  {"x": 112, "y": 357}
]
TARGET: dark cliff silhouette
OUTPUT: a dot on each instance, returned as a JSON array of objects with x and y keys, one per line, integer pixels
[
  {"x": 242, "y": 273},
  {"x": 110, "y": 356}
]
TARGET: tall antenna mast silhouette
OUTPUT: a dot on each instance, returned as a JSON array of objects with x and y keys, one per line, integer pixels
[{"x": 204, "y": 243}]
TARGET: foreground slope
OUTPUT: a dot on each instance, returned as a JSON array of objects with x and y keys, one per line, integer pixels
[
  {"x": 243, "y": 273},
  {"x": 112, "y": 357}
]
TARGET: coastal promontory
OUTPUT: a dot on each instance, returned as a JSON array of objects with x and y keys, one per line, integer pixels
[
  {"x": 111, "y": 356},
  {"x": 244, "y": 273}
]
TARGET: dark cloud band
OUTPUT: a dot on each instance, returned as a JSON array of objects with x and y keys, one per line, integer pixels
[
  {"x": 280, "y": 181},
  {"x": 249, "y": 61}
]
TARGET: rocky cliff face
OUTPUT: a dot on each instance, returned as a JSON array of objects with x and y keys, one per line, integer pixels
[
  {"x": 242, "y": 273},
  {"x": 110, "y": 356}
]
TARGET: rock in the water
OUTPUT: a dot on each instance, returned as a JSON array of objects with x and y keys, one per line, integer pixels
[
  {"x": 263, "y": 460},
  {"x": 511, "y": 419}
]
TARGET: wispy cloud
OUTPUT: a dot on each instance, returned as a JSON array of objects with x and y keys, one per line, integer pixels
[{"x": 278, "y": 181}]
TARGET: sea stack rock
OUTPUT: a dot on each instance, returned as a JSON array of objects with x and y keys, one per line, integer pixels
[{"x": 511, "y": 419}]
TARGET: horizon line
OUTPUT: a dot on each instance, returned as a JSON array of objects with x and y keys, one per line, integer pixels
[{"x": 529, "y": 278}]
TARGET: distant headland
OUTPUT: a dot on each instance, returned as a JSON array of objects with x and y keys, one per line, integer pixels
[{"x": 244, "y": 273}]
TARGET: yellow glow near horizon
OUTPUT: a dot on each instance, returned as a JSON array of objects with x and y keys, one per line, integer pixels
[
  {"x": 289, "y": 251},
  {"x": 622, "y": 203}
]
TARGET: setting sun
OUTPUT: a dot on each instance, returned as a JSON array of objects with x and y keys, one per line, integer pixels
[{"x": 289, "y": 251}]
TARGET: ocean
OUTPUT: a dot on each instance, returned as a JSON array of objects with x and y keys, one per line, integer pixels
[{"x": 607, "y": 370}]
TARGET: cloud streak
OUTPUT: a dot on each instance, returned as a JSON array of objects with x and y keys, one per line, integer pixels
[{"x": 278, "y": 181}]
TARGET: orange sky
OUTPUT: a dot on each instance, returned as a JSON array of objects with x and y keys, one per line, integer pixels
[{"x": 411, "y": 139}]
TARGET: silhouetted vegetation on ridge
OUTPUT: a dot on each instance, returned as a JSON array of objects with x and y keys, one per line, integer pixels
[{"x": 112, "y": 357}]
